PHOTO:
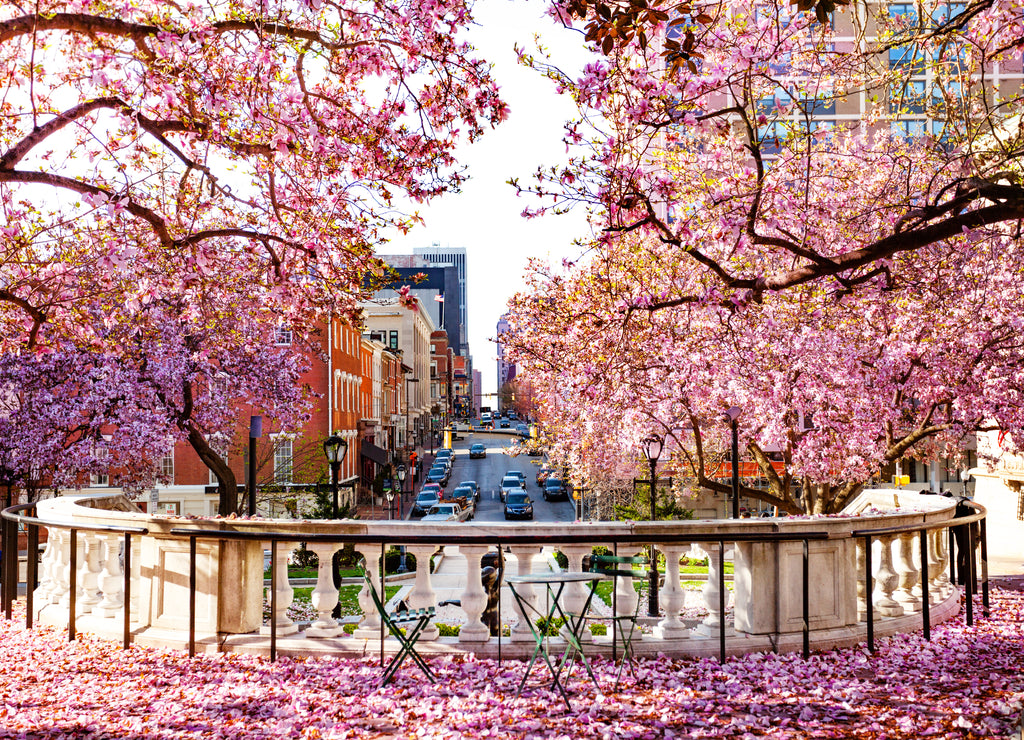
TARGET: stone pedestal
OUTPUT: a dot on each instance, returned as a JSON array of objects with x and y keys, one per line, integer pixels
[{"x": 768, "y": 579}]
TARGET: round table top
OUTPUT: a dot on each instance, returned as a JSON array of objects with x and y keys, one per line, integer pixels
[{"x": 575, "y": 577}]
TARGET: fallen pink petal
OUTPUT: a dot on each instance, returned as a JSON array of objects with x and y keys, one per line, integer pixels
[{"x": 964, "y": 683}]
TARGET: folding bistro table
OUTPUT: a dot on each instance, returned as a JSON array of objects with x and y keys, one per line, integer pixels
[{"x": 554, "y": 587}]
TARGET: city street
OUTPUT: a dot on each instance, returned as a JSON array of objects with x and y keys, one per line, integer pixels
[{"x": 488, "y": 472}]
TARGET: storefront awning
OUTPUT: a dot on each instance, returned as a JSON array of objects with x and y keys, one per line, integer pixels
[{"x": 372, "y": 452}]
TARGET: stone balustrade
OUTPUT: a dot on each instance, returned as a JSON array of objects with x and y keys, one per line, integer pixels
[{"x": 766, "y": 599}]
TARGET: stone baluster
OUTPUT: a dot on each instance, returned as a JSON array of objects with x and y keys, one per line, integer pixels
[
  {"x": 60, "y": 564},
  {"x": 626, "y": 594},
  {"x": 671, "y": 595},
  {"x": 711, "y": 625},
  {"x": 524, "y": 555},
  {"x": 422, "y": 595},
  {"x": 370, "y": 624},
  {"x": 909, "y": 574},
  {"x": 862, "y": 584},
  {"x": 474, "y": 598},
  {"x": 325, "y": 595},
  {"x": 65, "y": 599},
  {"x": 285, "y": 593},
  {"x": 885, "y": 581},
  {"x": 91, "y": 594},
  {"x": 46, "y": 572},
  {"x": 111, "y": 577},
  {"x": 136, "y": 575},
  {"x": 941, "y": 586},
  {"x": 574, "y": 597}
]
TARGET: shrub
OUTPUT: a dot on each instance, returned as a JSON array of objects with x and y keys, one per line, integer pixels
[
  {"x": 448, "y": 630},
  {"x": 599, "y": 629},
  {"x": 562, "y": 559}
]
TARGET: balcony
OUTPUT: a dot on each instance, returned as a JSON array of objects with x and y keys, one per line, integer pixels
[{"x": 786, "y": 571}]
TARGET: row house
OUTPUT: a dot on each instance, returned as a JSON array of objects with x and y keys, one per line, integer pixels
[
  {"x": 367, "y": 391},
  {"x": 441, "y": 356}
]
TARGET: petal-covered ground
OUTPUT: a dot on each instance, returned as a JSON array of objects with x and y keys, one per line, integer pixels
[{"x": 965, "y": 683}]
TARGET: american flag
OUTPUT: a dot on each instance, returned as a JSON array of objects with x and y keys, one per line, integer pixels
[{"x": 439, "y": 298}]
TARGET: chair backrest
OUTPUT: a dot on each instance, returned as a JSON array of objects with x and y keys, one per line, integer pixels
[
  {"x": 373, "y": 593},
  {"x": 613, "y": 565}
]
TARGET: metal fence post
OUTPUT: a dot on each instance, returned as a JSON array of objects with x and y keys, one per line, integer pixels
[
  {"x": 721, "y": 600},
  {"x": 273, "y": 600},
  {"x": 984, "y": 566},
  {"x": 806, "y": 600},
  {"x": 31, "y": 571},
  {"x": 869, "y": 587},
  {"x": 127, "y": 590},
  {"x": 926, "y": 617},
  {"x": 192, "y": 596},
  {"x": 73, "y": 585}
]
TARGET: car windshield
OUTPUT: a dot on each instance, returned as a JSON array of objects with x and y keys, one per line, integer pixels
[
  {"x": 463, "y": 491},
  {"x": 427, "y": 496},
  {"x": 553, "y": 483},
  {"x": 477, "y": 447},
  {"x": 518, "y": 498},
  {"x": 468, "y": 484},
  {"x": 510, "y": 481}
]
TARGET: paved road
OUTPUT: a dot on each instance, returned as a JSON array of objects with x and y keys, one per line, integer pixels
[{"x": 489, "y": 471}]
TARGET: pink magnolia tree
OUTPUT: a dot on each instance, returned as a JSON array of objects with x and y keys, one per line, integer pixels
[
  {"x": 178, "y": 179},
  {"x": 830, "y": 390},
  {"x": 808, "y": 220},
  {"x": 71, "y": 412}
]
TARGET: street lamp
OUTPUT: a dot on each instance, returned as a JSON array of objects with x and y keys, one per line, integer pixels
[
  {"x": 733, "y": 416},
  {"x": 335, "y": 448},
  {"x": 652, "y": 447},
  {"x": 965, "y": 475},
  {"x": 407, "y": 435},
  {"x": 400, "y": 472},
  {"x": 390, "y": 494}
]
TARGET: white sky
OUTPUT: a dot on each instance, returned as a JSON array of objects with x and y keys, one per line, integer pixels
[{"x": 485, "y": 217}]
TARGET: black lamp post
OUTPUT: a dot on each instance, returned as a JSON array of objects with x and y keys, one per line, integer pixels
[
  {"x": 335, "y": 448},
  {"x": 652, "y": 447},
  {"x": 400, "y": 472},
  {"x": 733, "y": 416}
]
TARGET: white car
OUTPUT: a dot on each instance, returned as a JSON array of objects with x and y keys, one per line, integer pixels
[{"x": 510, "y": 483}]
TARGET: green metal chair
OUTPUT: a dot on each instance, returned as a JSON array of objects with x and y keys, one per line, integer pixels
[
  {"x": 624, "y": 626},
  {"x": 414, "y": 620}
]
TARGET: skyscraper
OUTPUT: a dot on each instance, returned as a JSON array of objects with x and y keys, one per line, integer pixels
[{"x": 437, "y": 256}]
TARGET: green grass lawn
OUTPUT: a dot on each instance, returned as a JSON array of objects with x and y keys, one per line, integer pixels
[
  {"x": 348, "y": 597},
  {"x": 297, "y": 572}
]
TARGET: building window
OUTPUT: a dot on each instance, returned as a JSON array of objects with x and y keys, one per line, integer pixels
[
  {"x": 284, "y": 337},
  {"x": 283, "y": 461},
  {"x": 393, "y": 339},
  {"x": 220, "y": 447},
  {"x": 167, "y": 466},
  {"x": 101, "y": 479}
]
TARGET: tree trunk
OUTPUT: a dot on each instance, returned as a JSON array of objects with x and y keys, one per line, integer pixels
[{"x": 227, "y": 484}]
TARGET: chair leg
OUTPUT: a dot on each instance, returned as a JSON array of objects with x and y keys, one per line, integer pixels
[{"x": 407, "y": 649}]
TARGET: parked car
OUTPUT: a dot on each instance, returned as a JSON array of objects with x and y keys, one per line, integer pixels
[
  {"x": 473, "y": 485},
  {"x": 512, "y": 415},
  {"x": 518, "y": 505},
  {"x": 510, "y": 483},
  {"x": 545, "y": 472},
  {"x": 554, "y": 490},
  {"x": 447, "y": 511},
  {"x": 444, "y": 452},
  {"x": 439, "y": 474},
  {"x": 425, "y": 501},
  {"x": 477, "y": 450},
  {"x": 533, "y": 449}
]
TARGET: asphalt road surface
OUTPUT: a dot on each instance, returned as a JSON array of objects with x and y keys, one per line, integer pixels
[{"x": 489, "y": 471}]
